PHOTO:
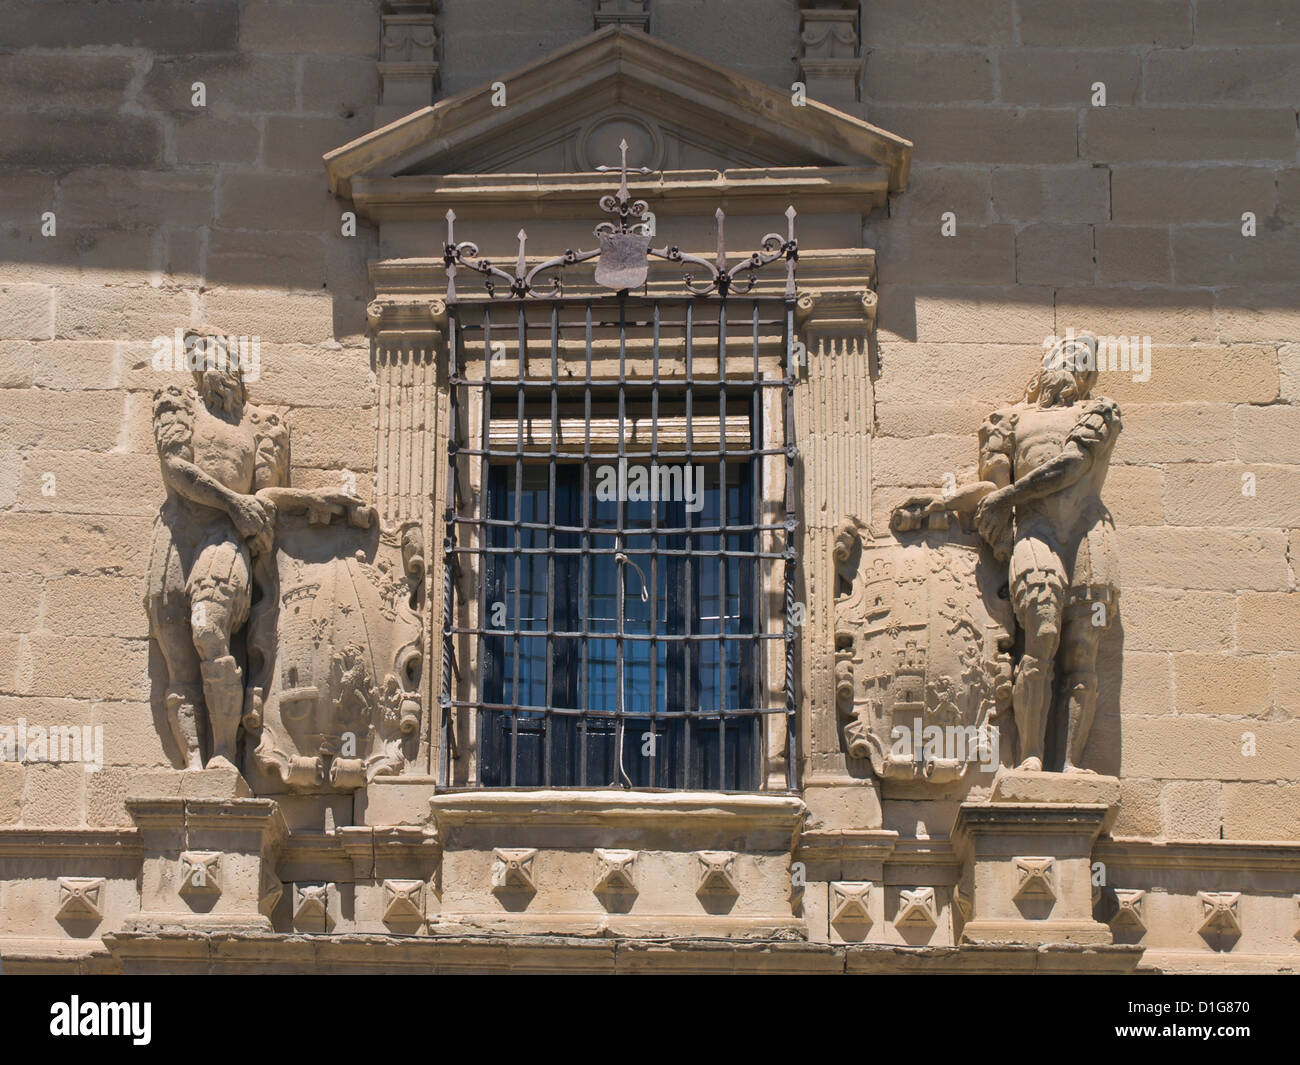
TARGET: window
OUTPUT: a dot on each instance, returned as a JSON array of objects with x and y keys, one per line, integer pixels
[{"x": 619, "y": 537}]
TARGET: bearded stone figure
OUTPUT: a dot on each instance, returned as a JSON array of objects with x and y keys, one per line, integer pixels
[
  {"x": 1035, "y": 499},
  {"x": 225, "y": 465}
]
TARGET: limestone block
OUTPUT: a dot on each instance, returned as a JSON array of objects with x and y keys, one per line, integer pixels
[
  {"x": 1078, "y": 789},
  {"x": 1145, "y": 134},
  {"x": 909, "y": 23},
  {"x": 1235, "y": 685},
  {"x": 1059, "y": 194},
  {"x": 1049, "y": 254},
  {"x": 907, "y": 76},
  {"x": 969, "y": 134},
  {"x": 1246, "y": 22},
  {"x": 1105, "y": 23},
  {"x": 1181, "y": 195},
  {"x": 1257, "y": 313},
  {"x": 1046, "y": 77},
  {"x": 27, "y": 312},
  {"x": 1134, "y": 253}
]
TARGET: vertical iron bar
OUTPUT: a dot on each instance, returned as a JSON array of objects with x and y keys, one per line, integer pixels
[
  {"x": 584, "y": 601},
  {"x": 689, "y": 686},
  {"x": 449, "y": 547},
  {"x": 516, "y": 640},
  {"x": 757, "y": 440},
  {"x": 551, "y": 590},
  {"x": 791, "y": 725},
  {"x": 620, "y": 544},
  {"x": 654, "y": 544},
  {"x": 483, "y": 530},
  {"x": 722, "y": 544}
]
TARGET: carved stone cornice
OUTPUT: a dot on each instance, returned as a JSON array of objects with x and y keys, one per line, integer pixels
[
  {"x": 603, "y": 809},
  {"x": 638, "y": 71},
  {"x": 757, "y": 190},
  {"x": 1282, "y": 857},
  {"x": 98, "y": 844}
]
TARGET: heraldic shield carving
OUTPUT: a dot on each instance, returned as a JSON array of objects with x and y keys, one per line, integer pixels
[
  {"x": 922, "y": 654},
  {"x": 336, "y": 700}
]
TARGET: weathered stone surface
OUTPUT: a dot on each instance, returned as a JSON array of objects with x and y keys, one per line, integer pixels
[
  {"x": 1124, "y": 220},
  {"x": 1078, "y": 789},
  {"x": 1109, "y": 22}
]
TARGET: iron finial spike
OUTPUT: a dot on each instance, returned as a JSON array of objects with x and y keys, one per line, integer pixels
[
  {"x": 722, "y": 241},
  {"x": 451, "y": 218},
  {"x": 521, "y": 267},
  {"x": 790, "y": 213},
  {"x": 623, "y": 193}
]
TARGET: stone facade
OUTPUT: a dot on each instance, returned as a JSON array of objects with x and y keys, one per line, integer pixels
[{"x": 250, "y": 742}]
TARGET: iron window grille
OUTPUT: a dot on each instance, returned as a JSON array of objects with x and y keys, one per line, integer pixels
[{"x": 595, "y": 633}]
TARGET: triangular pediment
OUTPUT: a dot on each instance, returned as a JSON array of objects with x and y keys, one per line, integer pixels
[{"x": 566, "y": 113}]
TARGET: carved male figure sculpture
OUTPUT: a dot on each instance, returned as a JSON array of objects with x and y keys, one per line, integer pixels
[
  {"x": 225, "y": 464},
  {"x": 1036, "y": 501}
]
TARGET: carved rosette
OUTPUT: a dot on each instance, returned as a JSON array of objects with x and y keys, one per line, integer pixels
[{"x": 922, "y": 654}]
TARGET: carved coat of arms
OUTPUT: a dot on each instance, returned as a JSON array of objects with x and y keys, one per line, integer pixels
[
  {"x": 922, "y": 654},
  {"x": 337, "y": 701}
]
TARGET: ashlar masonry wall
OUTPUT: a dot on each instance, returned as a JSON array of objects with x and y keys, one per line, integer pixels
[{"x": 1125, "y": 219}]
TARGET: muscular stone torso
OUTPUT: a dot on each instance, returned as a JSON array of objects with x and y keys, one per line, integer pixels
[
  {"x": 225, "y": 451},
  {"x": 1041, "y": 435}
]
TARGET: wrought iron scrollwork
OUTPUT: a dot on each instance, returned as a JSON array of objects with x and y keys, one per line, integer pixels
[{"x": 624, "y": 254}]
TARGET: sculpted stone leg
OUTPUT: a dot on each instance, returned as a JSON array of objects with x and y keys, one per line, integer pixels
[
  {"x": 184, "y": 694},
  {"x": 223, "y": 690},
  {"x": 223, "y": 682},
  {"x": 183, "y": 716},
  {"x": 1038, "y": 612},
  {"x": 1079, "y": 654}
]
